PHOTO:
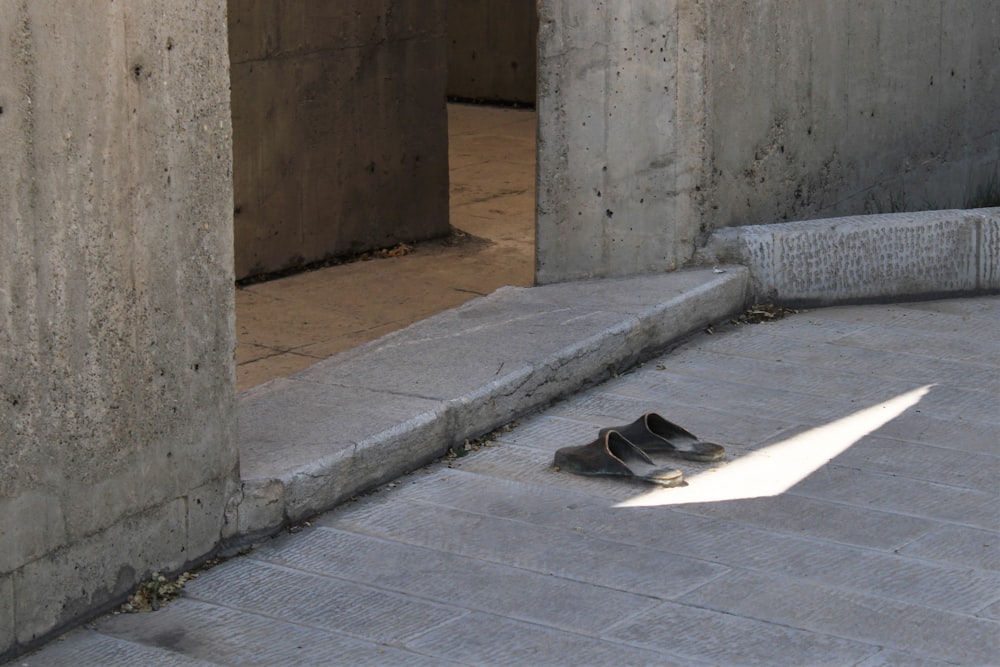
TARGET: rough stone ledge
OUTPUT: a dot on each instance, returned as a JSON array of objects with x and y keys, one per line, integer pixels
[
  {"x": 866, "y": 258},
  {"x": 367, "y": 416}
]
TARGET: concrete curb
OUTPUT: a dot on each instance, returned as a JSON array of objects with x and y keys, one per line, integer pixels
[
  {"x": 866, "y": 258},
  {"x": 364, "y": 417},
  {"x": 369, "y": 415}
]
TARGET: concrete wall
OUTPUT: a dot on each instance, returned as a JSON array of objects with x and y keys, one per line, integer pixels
[
  {"x": 117, "y": 449},
  {"x": 492, "y": 50},
  {"x": 617, "y": 161},
  {"x": 339, "y": 128},
  {"x": 660, "y": 122}
]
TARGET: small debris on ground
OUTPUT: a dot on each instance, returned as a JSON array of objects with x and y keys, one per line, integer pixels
[
  {"x": 488, "y": 440},
  {"x": 456, "y": 238},
  {"x": 385, "y": 253},
  {"x": 160, "y": 590},
  {"x": 299, "y": 527},
  {"x": 759, "y": 313},
  {"x": 458, "y": 451},
  {"x": 153, "y": 594}
]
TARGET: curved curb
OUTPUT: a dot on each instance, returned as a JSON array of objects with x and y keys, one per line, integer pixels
[{"x": 369, "y": 415}]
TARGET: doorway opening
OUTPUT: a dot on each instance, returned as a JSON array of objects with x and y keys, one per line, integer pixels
[{"x": 290, "y": 322}]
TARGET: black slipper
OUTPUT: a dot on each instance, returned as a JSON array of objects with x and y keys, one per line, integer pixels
[
  {"x": 655, "y": 435},
  {"x": 611, "y": 454}
]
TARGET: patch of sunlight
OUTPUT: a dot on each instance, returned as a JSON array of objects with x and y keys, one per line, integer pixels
[{"x": 776, "y": 468}]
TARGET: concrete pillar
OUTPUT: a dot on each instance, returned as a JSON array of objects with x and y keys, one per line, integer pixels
[
  {"x": 117, "y": 382},
  {"x": 660, "y": 122},
  {"x": 619, "y": 139}
]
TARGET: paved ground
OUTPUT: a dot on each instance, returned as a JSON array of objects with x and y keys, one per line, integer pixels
[{"x": 855, "y": 522}]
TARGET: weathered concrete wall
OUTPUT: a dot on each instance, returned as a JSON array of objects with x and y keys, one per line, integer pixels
[
  {"x": 117, "y": 448},
  {"x": 492, "y": 48},
  {"x": 662, "y": 121},
  {"x": 339, "y": 128},
  {"x": 617, "y": 160},
  {"x": 834, "y": 108}
]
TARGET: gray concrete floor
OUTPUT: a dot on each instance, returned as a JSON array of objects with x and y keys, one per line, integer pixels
[{"x": 855, "y": 521}]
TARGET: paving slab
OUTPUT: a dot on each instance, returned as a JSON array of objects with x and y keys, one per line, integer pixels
[
  {"x": 721, "y": 638},
  {"x": 218, "y": 634},
  {"x": 325, "y": 603},
  {"x": 573, "y": 549},
  {"x": 469, "y": 583},
  {"x": 781, "y": 375},
  {"x": 959, "y": 436},
  {"x": 742, "y": 397},
  {"x": 890, "y": 658},
  {"x": 864, "y": 618},
  {"x": 563, "y": 554},
  {"x": 94, "y": 648},
  {"x": 925, "y": 463},
  {"x": 960, "y": 545},
  {"x": 993, "y": 611},
  {"x": 890, "y": 365},
  {"x": 479, "y": 639},
  {"x": 885, "y": 552},
  {"x": 834, "y": 522},
  {"x": 854, "y": 485},
  {"x": 728, "y": 541},
  {"x": 981, "y": 348}
]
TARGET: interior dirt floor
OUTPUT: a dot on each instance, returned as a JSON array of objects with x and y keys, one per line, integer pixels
[{"x": 287, "y": 324}]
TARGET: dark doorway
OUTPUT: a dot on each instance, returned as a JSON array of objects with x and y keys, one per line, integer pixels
[{"x": 383, "y": 275}]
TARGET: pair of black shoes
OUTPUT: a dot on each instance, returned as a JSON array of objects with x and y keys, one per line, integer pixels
[{"x": 625, "y": 450}]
